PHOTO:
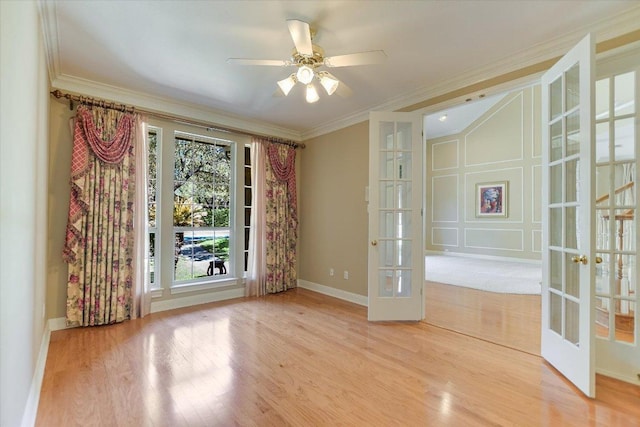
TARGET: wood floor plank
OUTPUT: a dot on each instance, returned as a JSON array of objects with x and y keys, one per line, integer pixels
[
  {"x": 511, "y": 320},
  {"x": 301, "y": 358}
]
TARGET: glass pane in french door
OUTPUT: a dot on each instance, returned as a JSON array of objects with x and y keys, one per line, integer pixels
[
  {"x": 395, "y": 228},
  {"x": 616, "y": 208},
  {"x": 564, "y": 206}
]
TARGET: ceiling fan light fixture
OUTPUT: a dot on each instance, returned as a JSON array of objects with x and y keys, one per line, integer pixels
[
  {"x": 305, "y": 74},
  {"x": 329, "y": 84},
  {"x": 307, "y": 57},
  {"x": 287, "y": 84},
  {"x": 312, "y": 94}
]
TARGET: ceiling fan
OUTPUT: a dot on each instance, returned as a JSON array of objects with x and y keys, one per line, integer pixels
[{"x": 308, "y": 58}]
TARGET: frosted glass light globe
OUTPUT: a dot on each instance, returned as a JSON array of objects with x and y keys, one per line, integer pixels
[{"x": 305, "y": 75}]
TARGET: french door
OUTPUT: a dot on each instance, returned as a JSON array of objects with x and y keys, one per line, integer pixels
[
  {"x": 396, "y": 261},
  {"x": 568, "y": 261}
]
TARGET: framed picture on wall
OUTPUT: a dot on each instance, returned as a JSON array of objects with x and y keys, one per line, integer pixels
[{"x": 492, "y": 199}]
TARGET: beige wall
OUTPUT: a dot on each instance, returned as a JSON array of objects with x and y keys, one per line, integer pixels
[
  {"x": 334, "y": 172},
  {"x": 502, "y": 145}
]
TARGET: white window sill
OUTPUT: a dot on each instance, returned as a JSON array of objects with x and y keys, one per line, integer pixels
[{"x": 193, "y": 287}]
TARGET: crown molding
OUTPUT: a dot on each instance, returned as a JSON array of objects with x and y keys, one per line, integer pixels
[
  {"x": 49, "y": 22},
  {"x": 167, "y": 105},
  {"x": 605, "y": 29},
  {"x": 170, "y": 106}
]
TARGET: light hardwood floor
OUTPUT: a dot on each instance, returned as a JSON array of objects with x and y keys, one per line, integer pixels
[
  {"x": 511, "y": 320},
  {"x": 305, "y": 359}
]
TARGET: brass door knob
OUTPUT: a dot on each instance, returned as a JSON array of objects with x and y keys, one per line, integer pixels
[
  {"x": 598, "y": 260},
  {"x": 374, "y": 243},
  {"x": 580, "y": 259}
]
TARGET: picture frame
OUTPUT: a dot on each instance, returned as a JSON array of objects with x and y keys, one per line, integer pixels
[{"x": 492, "y": 199}]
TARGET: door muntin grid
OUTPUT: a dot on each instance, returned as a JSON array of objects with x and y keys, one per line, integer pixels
[
  {"x": 395, "y": 200},
  {"x": 616, "y": 209},
  {"x": 564, "y": 205}
]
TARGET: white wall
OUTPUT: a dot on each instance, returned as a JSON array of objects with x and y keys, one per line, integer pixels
[
  {"x": 503, "y": 145},
  {"x": 23, "y": 171}
]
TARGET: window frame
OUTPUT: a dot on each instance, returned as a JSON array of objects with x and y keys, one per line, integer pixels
[
  {"x": 165, "y": 246},
  {"x": 155, "y": 284},
  {"x": 246, "y": 150}
]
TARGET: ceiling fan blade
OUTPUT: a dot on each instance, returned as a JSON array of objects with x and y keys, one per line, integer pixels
[
  {"x": 301, "y": 35},
  {"x": 362, "y": 58},
  {"x": 268, "y": 62}
]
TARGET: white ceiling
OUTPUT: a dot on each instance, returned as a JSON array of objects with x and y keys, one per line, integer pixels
[
  {"x": 176, "y": 51},
  {"x": 456, "y": 119}
]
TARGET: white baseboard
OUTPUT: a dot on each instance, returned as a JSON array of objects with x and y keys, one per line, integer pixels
[
  {"x": 487, "y": 257},
  {"x": 60, "y": 323},
  {"x": 333, "y": 292},
  {"x": 628, "y": 379},
  {"x": 57, "y": 324},
  {"x": 188, "y": 301},
  {"x": 33, "y": 399}
]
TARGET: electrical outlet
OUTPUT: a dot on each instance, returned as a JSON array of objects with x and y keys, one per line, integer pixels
[
  {"x": 346, "y": 275},
  {"x": 331, "y": 272}
]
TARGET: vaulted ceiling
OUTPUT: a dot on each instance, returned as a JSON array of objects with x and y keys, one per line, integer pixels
[{"x": 156, "y": 54}]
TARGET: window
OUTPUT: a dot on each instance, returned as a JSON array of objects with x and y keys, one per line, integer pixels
[
  {"x": 152, "y": 203},
  {"x": 247, "y": 203},
  {"x": 199, "y": 207}
]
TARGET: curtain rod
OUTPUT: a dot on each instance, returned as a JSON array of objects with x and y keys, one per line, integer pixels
[{"x": 129, "y": 109}]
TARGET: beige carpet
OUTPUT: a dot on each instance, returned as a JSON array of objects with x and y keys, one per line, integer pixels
[{"x": 486, "y": 275}]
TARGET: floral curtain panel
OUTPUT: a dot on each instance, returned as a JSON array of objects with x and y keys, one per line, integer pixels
[
  {"x": 281, "y": 218},
  {"x": 99, "y": 242}
]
